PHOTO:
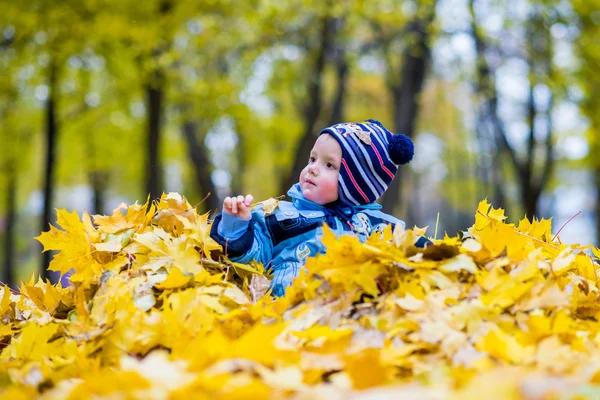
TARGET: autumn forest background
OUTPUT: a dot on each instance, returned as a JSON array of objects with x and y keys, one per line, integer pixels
[{"x": 104, "y": 101}]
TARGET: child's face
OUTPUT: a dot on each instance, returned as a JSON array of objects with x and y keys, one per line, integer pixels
[{"x": 319, "y": 179}]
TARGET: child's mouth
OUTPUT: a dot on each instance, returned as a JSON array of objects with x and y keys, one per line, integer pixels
[{"x": 310, "y": 182}]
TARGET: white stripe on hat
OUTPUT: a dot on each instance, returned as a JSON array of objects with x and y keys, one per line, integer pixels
[
  {"x": 359, "y": 167},
  {"x": 380, "y": 129},
  {"x": 368, "y": 158},
  {"x": 384, "y": 146},
  {"x": 346, "y": 192}
]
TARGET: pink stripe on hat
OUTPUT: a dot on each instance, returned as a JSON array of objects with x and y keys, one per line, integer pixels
[
  {"x": 381, "y": 161},
  {"x": 354, "y": 182}
]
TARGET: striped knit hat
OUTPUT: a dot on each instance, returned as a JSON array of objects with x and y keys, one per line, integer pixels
[{"x": 370, "y": 158}]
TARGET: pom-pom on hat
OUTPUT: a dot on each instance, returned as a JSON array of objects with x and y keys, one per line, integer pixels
[{"x": 370, "y": 158}]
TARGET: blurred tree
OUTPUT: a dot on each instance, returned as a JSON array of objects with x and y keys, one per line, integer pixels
[
  {"x": 137, "y": 43},
  {"x": 100, "y": 142},
  {"x": 17, "y": 125},
  {"x": 10, "y": 174},
  {"x": 539, "y": 111},
  {"x": 206, "y": 92},
  {"x": 445, "y": 174},
  {"x": 224, "y": 96},
  {"x": 342, "y": 68},
  {"x": 488, "y": 126},
  {"x": 532, "y": 169},
  {"x": 313, "y": 103},
  {"x": 155, "y": 98},
  {"x": 405, "y": 76},
  {"x": 51, "y": 139},
  {"x": 43, "y": 32},
  {"x": 588, "y": 48},
  {"x": 350, "y": 28}
]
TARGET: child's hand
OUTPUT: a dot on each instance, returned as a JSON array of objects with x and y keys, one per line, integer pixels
[{"x": 238, "y": 206}]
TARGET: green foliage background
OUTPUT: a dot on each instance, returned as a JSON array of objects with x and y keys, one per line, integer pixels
[{"x": 253, "y": 64}]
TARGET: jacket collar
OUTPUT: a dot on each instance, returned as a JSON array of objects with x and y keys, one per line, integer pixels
[{"x": 301, "y": 203}]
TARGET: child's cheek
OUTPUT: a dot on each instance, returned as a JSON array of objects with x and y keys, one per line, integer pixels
[
  {"x": 332, "y": 188},
  {"x": 303, "y": 173}
]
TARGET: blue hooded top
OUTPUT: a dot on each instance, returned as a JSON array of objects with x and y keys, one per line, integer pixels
[{"x": 284, "y": 239}]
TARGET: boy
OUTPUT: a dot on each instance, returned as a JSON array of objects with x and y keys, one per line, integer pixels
[{"x": 350, "y": 166}]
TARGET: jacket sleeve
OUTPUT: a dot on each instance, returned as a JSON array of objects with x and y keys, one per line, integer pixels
[
  {"x": 386, "y": 218},
  {"x": 283, "y": 276},
  {"x": 243, "y": 240}
]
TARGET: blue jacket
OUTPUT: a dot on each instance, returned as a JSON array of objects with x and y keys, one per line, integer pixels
[{"x": 284, "y": 239}]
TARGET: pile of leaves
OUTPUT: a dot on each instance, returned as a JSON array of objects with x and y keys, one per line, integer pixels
[{"x": 503, "y": 312}]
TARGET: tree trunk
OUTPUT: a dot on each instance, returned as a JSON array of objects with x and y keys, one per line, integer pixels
[
  {"x": 8, "y": 275},
  {"x": 312, "y": 109},
  {"x": 154, "y": 97},
  {"x": 202, "y": 165},
  {"x": 337, "y": 111},
  {"x": 98, "y": 180},
  {"x": 341, "y": 67},
  {"x": 51, "y": 140},
  {"x": 406, "y": 93},
  {"x": 490, "y": 166},
  {"x": 500, "y": 145},
  {"x": 528, "y": 196},
  {"x": 532, "y": 184}
]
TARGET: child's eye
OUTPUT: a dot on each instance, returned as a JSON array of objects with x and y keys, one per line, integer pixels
[
  {"x": 311, "y": 159},
  {"x": 330, "y": 165}
]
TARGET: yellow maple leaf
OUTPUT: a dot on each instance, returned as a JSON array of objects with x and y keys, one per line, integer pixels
[
  {"x": 43, "y": 294},
  {"x": 481, "y": 220},
  {"x": 113, "y": 245},
  {"x": 201, "y": 233},
  {"x": 166, "y": 249},
  {"x": 586, "y": 268},
  {"x": 323, "y": 333},
  {"x": 497, "y": 214},
  {"x": 245, "y": 346},
  {"x": 366, "y": 369},
  {"x": 164, "y": 374},
  {"x": 460, "y": 262},
  {"x": 175, "y": 279},
  {"x": 175, "y": 213},
  {"x": 5, "y": 330},
  {"x": 564, "y": 262},
  {"x": 93, "y": 234},
  {"x": 270, "y": 205},
  {"x": 236, "y": 295},
  {"x": 6, "y": 301},
  {"x": 540, "y": 229},
  {"x": 73, "y": 244},
  {"x": 375, "y": 316},
  {"x": 503, "y": 346},
  {"x": 123, "y": 384},
  {"x": 136, "y": 216},
  {"x": 32, "y": 343}
]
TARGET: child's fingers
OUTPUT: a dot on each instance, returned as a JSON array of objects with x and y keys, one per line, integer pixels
[
  {"x": 234, "y": 205},
  {"x": 227, "y": 203},
  {"x": 240, "y": 203},
  {"x": 237, "y": 204}
]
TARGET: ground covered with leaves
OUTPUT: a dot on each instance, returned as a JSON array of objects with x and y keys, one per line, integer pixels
[{"x": 503, "y": 312}]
